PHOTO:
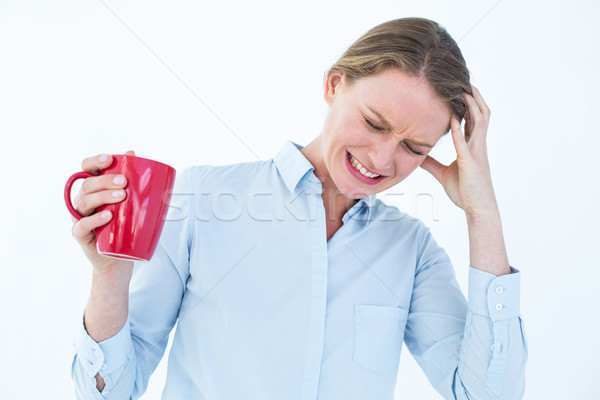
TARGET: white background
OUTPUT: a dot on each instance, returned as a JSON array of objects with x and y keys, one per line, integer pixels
[{"x": 177, "y": 81}]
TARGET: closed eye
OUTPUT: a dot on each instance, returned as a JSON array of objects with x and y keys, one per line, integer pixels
[
  {"x": 372, "y": 125},
  {"x": 412, "y": 150},
  {"x": 378, "y": 128}
]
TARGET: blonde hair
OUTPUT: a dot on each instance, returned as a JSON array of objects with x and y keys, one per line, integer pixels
[{"x": 417, "y": 46}]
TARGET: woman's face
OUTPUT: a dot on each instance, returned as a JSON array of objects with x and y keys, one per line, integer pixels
[{"x": 387, "y": 123}]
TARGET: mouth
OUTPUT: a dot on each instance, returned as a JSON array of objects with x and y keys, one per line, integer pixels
[{"x": 360, "y": 172}]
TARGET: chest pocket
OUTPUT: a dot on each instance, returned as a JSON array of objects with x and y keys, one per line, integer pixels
[{"x": 378, "y": 335}]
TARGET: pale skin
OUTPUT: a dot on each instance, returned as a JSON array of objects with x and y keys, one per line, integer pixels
[
  {"x": 412, "y": 115},
  {"x": 106, "y": 311},
  {"x": 415, "y": 118}
]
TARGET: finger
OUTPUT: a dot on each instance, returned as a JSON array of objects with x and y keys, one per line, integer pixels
[
  {"x": 130, "y": 153},
  {"x": 476, "y": 129},
  {"x": 97, "y": 163},
  {"x": 483, "y": 107},
  {"x": 434, "y": 167},
  {"x": 468, "y": 126},
  {"x": 473, "y": 109},
  {"x": 460, "y": 143},
  {"x": 103, "y": 182},
  {"x": 86, "y": 204},
  {"x": 82, "y": 229}
]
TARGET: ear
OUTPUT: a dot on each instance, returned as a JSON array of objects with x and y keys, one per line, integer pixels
[{"x": 332, "y": 86}]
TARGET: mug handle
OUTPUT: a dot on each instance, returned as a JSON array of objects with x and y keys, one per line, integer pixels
[{"x": 68, "y": 186}]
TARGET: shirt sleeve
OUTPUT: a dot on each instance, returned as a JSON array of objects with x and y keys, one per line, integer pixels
[
  {"x": 467, "y": 350},
  {"x": 126, "y": 360}
]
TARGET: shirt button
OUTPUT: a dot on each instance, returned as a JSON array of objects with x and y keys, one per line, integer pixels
[
  {"x": 499, "y": 289},
  {"x": 97, "y": 353},
  {"x": 492, "y": 347},
  {"x": 105, "y": 392},
  {"x": 103, "y": 366},
  {"x": 498, "y": 307}
]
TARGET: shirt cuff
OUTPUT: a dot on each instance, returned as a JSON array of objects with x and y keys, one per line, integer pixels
[
  {"x": 494, "y": 297},
  {"x": 103, "y": 357}
]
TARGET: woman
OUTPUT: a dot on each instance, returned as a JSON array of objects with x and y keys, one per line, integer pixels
[{"x": 306, "y": 285}]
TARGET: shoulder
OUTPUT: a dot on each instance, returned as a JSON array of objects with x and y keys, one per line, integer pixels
[
  {"x": 412, "y": 235},
  {"x": 401, "y": 226},
  {"x": 238, "y": 175},
  {"x": 400, "y": 222}
]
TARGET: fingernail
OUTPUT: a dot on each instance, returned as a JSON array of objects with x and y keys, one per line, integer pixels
[
  {"x": 105, "y": 215},
  {"x": 103, "y": 158},
  {"x": 118, "y": 193},
  {"x": 118, "y": 180}
]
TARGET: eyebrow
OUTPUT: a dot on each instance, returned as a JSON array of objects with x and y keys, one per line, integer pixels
[{"x": 389, "y": 125}]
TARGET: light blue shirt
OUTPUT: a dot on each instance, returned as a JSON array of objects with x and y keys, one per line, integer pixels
[{"x": 267, "y": 308}]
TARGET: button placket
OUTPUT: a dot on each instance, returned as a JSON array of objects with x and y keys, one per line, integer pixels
[
  {"x": 498, "y": 362},
  {"x": 318, "y": 301},
  {"x": 95, "y": 359}
]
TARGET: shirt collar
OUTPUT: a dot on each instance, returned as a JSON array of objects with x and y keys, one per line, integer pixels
[{"x": 293, "y": 166}]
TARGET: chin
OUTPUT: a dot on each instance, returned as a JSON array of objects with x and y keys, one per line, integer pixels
[{"x": 354, "y": 191}]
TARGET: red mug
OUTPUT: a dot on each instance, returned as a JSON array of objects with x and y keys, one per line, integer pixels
[{"x": 137, "y": 221}]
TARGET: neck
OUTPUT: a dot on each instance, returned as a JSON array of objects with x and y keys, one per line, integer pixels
[{"x": 335, "y": 202}]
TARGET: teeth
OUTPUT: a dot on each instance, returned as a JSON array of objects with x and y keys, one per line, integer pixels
[{"x": 360, "y": 168}]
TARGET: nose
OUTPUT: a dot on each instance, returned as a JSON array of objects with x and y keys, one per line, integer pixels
[{"x": 382, "y": 156}]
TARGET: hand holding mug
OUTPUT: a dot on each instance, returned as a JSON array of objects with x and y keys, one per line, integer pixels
[
  {"x": 120, "y": 210},
  {"x": 95, "y": 192}
]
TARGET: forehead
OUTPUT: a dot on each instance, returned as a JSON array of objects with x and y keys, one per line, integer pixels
[{"x": 407, "y": 102}]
